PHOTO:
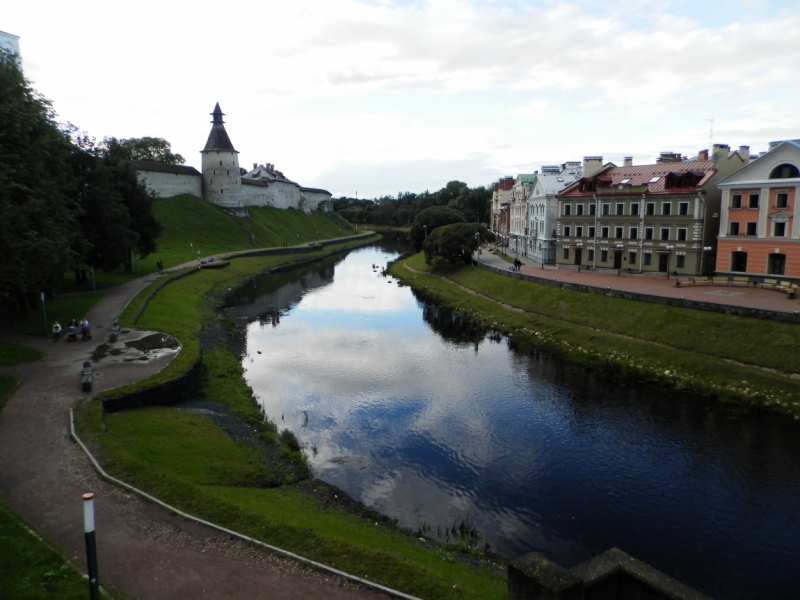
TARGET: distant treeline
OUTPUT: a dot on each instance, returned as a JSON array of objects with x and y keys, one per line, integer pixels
[{"x": 472, "y": 203}]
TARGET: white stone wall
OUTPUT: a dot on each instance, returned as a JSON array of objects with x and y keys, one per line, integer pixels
[
  {"x": 166, "y": 185},
  {"x": 286, "y": 194},
  {"x": 221, "y": 178}
]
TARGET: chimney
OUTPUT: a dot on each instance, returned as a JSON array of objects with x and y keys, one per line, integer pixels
[
  {"x": 702, "y": 155},
  {"x": 719, "y": 152},
  {"x": 591, "y": 165},
  {"x": 255, "y": 165},
  {"x": 744, "y": 152},
  {"x": 666, "y": 157},
  {"x": 627, "y": 161}
]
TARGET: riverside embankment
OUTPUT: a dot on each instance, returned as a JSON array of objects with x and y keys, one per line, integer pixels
[{"x": 731, "y": 358}]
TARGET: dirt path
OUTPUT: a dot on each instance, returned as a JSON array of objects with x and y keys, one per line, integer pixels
[{"x": 144, "y": 552}]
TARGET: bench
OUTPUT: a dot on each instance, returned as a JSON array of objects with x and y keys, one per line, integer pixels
[
  {"x": 720, "y": 281},
  {"x": 787, "y": 287},
  {"x": 740, "y": 282},
  {"x": 768, "y": 284},
  {"x": 684, "y": 281}
]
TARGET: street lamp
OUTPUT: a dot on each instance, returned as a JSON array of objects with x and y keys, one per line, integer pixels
[
  {"x": 619, "y": 246},
  {"x": 579, "y": 246},
  {"x": 669, "y": 248},
  {"x": 702, "y": 254},
  {"x": 425, "y": 227}
]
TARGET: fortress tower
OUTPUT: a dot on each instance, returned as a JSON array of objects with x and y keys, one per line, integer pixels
[{"x": 222, "y": 181}]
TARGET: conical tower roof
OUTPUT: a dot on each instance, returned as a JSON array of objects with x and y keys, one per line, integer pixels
[{"x": 218, "y": 138}]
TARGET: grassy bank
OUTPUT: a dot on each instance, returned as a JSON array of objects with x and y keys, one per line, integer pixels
[
  {"x": 192, "y": 224},
  {"x": 61, "y": 309},
  {"x": 735, "y": 359},
  {"x": 257, "y": 485}
]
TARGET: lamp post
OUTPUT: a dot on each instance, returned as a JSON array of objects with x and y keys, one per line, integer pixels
[
  {"x": 198, "y": 259},
  {"x": 425, "y": 227},
  {"x": 579, "y": 246},
  {"x": 702, "y": 255},
  {"x": 191, "y": 250},
  {"x": 669, "y": 248},
  {"x": 619, "y": 246}
]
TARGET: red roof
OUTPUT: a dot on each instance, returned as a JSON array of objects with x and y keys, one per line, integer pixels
[{"x": 613, "y": 176}]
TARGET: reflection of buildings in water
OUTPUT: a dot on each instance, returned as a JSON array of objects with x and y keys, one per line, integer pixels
[{"x": 267, "y": 307}]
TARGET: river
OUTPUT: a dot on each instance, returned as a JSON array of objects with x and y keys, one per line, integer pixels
[{"x": 429, "y": 420}]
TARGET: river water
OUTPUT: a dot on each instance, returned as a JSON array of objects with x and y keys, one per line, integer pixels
[{"x": 426, "y": 419}]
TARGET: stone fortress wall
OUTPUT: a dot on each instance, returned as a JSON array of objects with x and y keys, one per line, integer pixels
[{"x": 222, "y": 183}]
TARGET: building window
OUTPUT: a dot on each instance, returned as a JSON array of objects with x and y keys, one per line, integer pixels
[
  {"x": 681, "y": 234},
  {"x": 683, "y": 208},
  {"x": 650, "y": 208},
  {"x": 606, "y": 209},
  {"x": 566, "y": 253},
  {"x": 782, "y": 200},
  {"x": 220, "y": 191},
  {"x": 752, "y": 201},
  {"x": 591, "y": 232},
  {"x": 567, "y": 230},
  {"x": 211, "y": 181},
  {"x": 648, "y": 233},
  {"x": 635, "y": 208},
  {"x": 620, "y": 209},
  {"x": 665, "y": 233},
  {"x": 604, "y": 232},
  {"x": 776, "y": 264},
  {"x": 220, "y": 162},
  {"x": 633, "y": 233},
  {"x": 739, "y": 261},
  {"x": 579, "y": 209},
  {"x": 784, "y": 171},
  {"x": 632, "y": 257},
  {"x": 681, "y": 261},
  {"x": 734, "y": 229},
  {"x": 567, "y": 210},
  {"x": 779, "y": 230},
  {"x": 666, "y": 208},
  {"x": 752, "y": 229},
  {"x": 736, "y": 201},
  {"x": 648, "y": 259},
  {"x": 579, "y": 232},
  {"x": 618, "y": 232},
  {"x": 603, "y": 255},
  {"x": 590, "y": 254},
  {"x": 592, "y": 209}
]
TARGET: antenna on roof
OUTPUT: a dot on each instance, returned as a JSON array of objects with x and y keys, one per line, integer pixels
[{"x": 710, "y": 132}]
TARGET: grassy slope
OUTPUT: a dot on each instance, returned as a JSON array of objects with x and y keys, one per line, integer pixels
[
  {"x": 192, "y": 224},
  {"x": 682, "y": 348},
  {"x": 61, "y": 309},
  {"x": 30, "y": 569}
]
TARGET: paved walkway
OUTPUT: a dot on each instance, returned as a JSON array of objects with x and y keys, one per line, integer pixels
[
  {"x": 656, "y": 285},
  {"x": 144, "y": 552}
]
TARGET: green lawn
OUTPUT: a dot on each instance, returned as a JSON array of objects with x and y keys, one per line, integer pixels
[
  {"x": 15, "y": 354},
  {"x": 61, "y": 309},
  {"x": 31, "y": 569},
  {"x": 737, "y": 358}
]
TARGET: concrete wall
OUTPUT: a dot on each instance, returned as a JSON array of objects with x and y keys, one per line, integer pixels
[{"x": 166, "y": 185}]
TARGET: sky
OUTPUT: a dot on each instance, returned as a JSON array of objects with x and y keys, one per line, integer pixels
[{"x": 377, "y": 97}]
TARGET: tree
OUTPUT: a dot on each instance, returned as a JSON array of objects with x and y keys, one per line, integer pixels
[
  {"x": 145, "y": 148},
  {"x": 454, "y": 243},
  {"x": 429, "y": 219},
  {"x": 39, "y": 233},
  {"x": 473, "y": 203}
]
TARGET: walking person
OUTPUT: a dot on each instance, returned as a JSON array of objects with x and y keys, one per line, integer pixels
[{"x": 56, "y": 331}]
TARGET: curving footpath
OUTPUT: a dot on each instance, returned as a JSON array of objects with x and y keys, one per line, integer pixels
[{"x": 144, "y": 552}]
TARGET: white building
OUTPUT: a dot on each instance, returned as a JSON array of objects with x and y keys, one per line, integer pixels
[
  {"x": 543, "y": 209},
  {"x": 518, "y": 225},
  {"x": 10, "y": 42}
]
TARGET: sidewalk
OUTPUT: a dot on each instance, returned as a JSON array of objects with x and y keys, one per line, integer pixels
[
  {"x": 144, "y": 552},
  {"x": 654, "y": 285}
]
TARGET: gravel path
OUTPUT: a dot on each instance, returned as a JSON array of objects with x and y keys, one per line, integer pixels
[{"x": 144, "y": 551}]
